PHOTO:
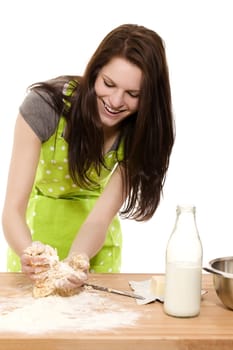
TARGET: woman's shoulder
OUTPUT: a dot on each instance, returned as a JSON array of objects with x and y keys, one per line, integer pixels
[
  {"x": 38, "y": 112},
  {"x": 44, "y": 102}
]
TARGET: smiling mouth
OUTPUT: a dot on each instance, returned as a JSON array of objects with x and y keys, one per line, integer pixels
[{"x": 112, "y": 111}]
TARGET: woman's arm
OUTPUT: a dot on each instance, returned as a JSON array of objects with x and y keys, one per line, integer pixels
[
  {"x": 23, "y": 165},
  {"x": 92, "y": 233}
]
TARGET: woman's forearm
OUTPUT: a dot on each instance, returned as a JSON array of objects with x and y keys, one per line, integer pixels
[
  {"x": 16, "y": 231},
  {"x": 91, "y": 236},
  {"x": 23, "y": 165},
  {"x": 90, "y": 239}
]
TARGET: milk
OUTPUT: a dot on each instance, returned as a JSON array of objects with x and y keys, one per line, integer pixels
[
  {"x": 183, "y": 266},
  {"x": 182, "y": 289}
]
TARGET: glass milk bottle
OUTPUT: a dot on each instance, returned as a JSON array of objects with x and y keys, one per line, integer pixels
[{"x": 182, "y": 295}]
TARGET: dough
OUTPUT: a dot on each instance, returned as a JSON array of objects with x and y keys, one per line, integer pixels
[{"x": 53, "y": 280}]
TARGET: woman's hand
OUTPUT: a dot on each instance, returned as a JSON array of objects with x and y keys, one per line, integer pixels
[
  {"x": 78, "y": 261},
  {"x": 71, "y": 281},
  {"x": 37, "y": 259},
  {"x": 40, "y": 262},
  {"x": 75, "y": 273}
]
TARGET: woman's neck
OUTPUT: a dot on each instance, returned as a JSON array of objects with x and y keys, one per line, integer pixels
[{"x": 110, "y": 137}]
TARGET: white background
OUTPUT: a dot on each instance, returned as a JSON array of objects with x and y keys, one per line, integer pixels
[{"x": 42, "y": 39}]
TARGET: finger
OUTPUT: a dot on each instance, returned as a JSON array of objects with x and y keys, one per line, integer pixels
[
  {"x": 76, "y": 279},
  {"x": 32, "y": 275},
  {"x": 25, "y": 259},
  {"x": 40, "y": 260},
  {"x": 34, "y": 261},
  {"x": 27, "y": 269},
  {"x": 65, "y": 284},
  {"x": 35, "y": 276}
]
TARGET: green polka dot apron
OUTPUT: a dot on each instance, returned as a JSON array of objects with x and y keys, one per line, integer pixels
[{"x": 58, "y": 207}]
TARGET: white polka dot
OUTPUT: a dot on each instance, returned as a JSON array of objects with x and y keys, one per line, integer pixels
[
  {"x": 102, "y": 262},
  {"x": 74, "y": 185},
  {"x": 92, "y": 270},
  {"x": 53, "y": 161},
  {"x": 14, "y": 263},
  {"x": 62, "y": 188},
  {"x": 65, "y": 160},
  {"x": 113, "y": 228},
  {"x": 36, "y": 196},
  {"x": 34, "y": 213},
  {"x": 63, "y": 148},
  {"x": 42, "y": 161},
  {"x": 110, "y": 269},
  {"x": 81, "y": 190},
  {"x": 55, "y": 180},
  {"x": 60, "y": 168},
  {"x": 109, "y": 253},
  {"x": 48, "y": 172},
  {"x": 67, "y": 176},
  {"x": 110, "y": 156},
  {"x": 50, "y": 189},
  {"x": 51, "y": 148}
]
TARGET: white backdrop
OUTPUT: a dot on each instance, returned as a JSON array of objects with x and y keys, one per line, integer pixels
[{"x": 42, "y": 39}]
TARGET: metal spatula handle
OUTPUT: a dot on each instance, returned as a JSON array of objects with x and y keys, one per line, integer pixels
[{"x": 115, "y": 291}]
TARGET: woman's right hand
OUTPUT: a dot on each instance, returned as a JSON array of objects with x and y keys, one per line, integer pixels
[{"x": 37, "y": 259}]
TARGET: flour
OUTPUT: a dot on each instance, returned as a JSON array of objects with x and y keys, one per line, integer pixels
[{"x": 83, "y": 312}]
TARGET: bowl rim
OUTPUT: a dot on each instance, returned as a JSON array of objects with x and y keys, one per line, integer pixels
[{"x": 225, "y": 258}]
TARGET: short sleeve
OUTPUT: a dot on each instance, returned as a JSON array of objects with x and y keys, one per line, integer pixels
[{"x": 40, "y": 116}]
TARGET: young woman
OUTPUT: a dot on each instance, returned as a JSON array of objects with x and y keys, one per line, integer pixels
[{"x": 89, "y": 148}]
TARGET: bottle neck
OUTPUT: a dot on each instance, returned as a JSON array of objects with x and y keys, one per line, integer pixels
[
  {"x": 186, "y": 209},
  {"x": 184, "y": 244},
  {"x": 185, "y": 221}
]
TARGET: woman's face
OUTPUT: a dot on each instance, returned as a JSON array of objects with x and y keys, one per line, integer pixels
[{"x": 117, "y": 89}]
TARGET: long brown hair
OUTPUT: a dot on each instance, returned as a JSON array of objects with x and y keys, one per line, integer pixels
[{"x": 148, "y": 135}]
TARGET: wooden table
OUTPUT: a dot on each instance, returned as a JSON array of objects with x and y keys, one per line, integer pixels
[{"x": 212, "y": 329}]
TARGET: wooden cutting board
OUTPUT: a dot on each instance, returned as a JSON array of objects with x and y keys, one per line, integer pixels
[{"x": 212, "y": 329}]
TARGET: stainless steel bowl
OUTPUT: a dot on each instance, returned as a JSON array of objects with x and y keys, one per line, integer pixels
[{"x": 222, "y": 269}]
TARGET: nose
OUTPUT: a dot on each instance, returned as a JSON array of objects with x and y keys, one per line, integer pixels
[{"x": 117, "y": 99}]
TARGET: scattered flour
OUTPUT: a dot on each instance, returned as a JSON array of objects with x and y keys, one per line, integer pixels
[{"x": 83, "y": 312}]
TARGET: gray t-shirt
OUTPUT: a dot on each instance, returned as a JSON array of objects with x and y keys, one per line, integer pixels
[{"x": 40, "y": 116}]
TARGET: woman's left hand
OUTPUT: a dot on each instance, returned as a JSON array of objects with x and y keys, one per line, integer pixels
[
  {"x": 71, "y": 282},
  {"x": 75, "y": 269}
]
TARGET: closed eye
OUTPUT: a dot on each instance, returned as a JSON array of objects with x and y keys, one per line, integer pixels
[
  {"x": 108, "y": 84},
  {"x": 133, "y": 94}
]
